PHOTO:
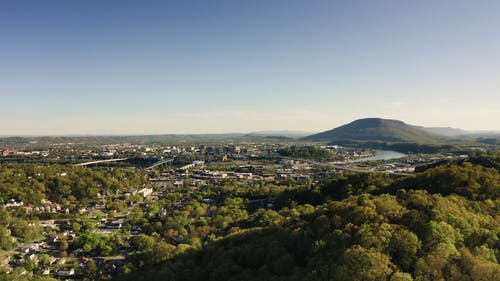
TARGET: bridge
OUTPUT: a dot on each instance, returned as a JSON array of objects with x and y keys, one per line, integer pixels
[
  {"x": 166, "y": 161},
  {"x": 100, "y": 161}
]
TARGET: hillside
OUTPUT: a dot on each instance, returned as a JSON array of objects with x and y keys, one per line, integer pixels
[
  {"x": 441, "y": 224},
  {"x": 446, "y": 131},
  {"x": 376, "y": 129}
]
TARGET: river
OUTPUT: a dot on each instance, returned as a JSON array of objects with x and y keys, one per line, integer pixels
[{"x": 381, "y": 155}]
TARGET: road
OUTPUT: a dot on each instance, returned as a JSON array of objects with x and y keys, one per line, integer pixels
[{"x": 344, "y": 167}]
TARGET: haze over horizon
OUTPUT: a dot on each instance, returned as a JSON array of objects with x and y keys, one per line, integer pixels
[{"x": 159, "y": 67}]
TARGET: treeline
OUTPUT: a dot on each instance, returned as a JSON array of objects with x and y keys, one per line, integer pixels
[
  {"x": 306, "y": 152},
  {"x": 103, "y": 140},
  {"x": 486, "y": 140},
  {"x": 468, "y": 180},
  {"x": 475, "y": 182},
  {"x": 441, "y": 224}
]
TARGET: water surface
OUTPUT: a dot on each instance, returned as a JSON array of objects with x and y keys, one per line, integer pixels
[{"x": 381, "y": 155}]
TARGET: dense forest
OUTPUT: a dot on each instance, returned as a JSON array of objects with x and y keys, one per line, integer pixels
[
  {"x": 442, "y": 224},
  {"x": 306, "y": 152}
]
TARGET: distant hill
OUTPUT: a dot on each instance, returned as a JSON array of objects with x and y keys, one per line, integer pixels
[
  {"x": 377, "y": 129},
  {"x": 489, "y": 140},
  {"x": 282, "y": 133},
  {"x": 446, "y": 131},
  {"x": 119, "y": 139}
]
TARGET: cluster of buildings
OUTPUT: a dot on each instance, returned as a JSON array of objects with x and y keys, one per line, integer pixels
[
  {"x": 46, "y": 253},
  {"x": 8, "y": 152},
  {"x": 43, "y": 253},
  {"x": 46, "y": 207},
  {"x": 350, "y": 154}
]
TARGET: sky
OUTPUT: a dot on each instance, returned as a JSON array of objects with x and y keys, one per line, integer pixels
[{"x": 159, "y": 67}]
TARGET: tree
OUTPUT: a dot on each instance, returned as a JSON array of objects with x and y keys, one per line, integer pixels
[
  {"x": 142, "y": 242},
  {"x": 44, "y": 260},
  {"x": 62, "y": 244},
  {"x": 401, "y": 276},
  {"x": 6, "y": 240},
  {"x": 162, "y": 252},
  {"x": 90, "y": 269},
  {"x": 360, "y": 264},
  {"x": 403, "y": 248}
]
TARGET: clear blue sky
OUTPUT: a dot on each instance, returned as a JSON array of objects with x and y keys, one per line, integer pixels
[{"x": 134, "y": 67}]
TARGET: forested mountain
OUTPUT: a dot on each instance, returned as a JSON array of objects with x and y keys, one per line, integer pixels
[{"x": 376, "y": 129}]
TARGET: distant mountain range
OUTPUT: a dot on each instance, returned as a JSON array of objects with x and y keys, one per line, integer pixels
[
  {"x": 280, "y": 133},
  {"x": 388, "y": 130},
  {"x": 361, "y": 130}
]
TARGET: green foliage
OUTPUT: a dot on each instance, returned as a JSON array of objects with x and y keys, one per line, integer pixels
[
  {"x": 18, "y": 277},
  {"x": 470, "y": 181},
  {"x": 306, "y": 152},
  {"x": 474, "y": 182},
  {"x": 365, "y": 237},
  {"x": 98, "y": 244},
  {"x": 442, "y": 224},
  {"x": 403, "y": 247},
  {"x": 67, "y": 185},
  {"x": 6, "y": 239},
  {"x": 359, "y": 264}
]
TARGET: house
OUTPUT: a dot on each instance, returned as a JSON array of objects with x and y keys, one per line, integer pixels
[
  {"x": 22, "y": 271},
  {"x": 14, "y": 203},
  {"x": 31, "y": 256},
  {"x": 145, "y": 192},
  {"x": 5, "y": 269},
  {"x": 116, "y": 224},
  {"x": 163, "y": 212},
  {"x": 48, "y": 223},
  {"x": 269, "y": 179},
  {"x": 52, "y": 260},
  {"x": 5, "y": 152},
  {"x": 5, "y": 260},
  {"x": 44, "y": 271},
  {"x": 66, "y": 273},
  {"x": 24, "y": 250},
  {"x": 52, "y": 238},
  {"x": 244, "y": 175}
]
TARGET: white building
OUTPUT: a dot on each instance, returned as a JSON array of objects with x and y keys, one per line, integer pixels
[{"x": 145, "y": 192}]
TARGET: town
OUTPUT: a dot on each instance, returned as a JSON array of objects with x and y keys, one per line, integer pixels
[{"x": 158, "y": 190}]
